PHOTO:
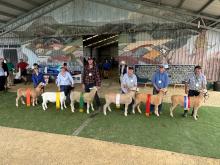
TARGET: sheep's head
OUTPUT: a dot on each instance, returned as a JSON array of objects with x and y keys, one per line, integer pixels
[
  {"x": 163, "y": 91},
  {"x": 204, "y": 93}
]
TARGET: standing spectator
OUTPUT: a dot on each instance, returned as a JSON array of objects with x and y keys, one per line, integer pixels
[
  {"x": 91, "y": 78},
  {"x": 5, "y": 68},
  {"x": 159, "y": 80},
  {"x": 23, "y": 66},
  {"x": 37, "y": 77},
  {"x": 65, "y": 81},
  {"x": 65, "y": 66},
  {"x": 10, "y": 79},
  {"x": 2, "y": 77},
  {"x": 106, "y": 68},
  {"x": 194, "y": 83}
]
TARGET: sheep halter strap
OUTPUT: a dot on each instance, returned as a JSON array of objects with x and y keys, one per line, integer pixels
[
  {"x": 57, "y": 100},
  {"x": 117, "y": 100},
  {"x": 148, "y": 105},
  {"x": 28, "y": 97},
  {"x": 186, "y": 103}
]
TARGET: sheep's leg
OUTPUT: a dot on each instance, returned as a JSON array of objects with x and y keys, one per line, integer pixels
[
  {"x": 133, "y": 107},
  {"x": 61, "y": 105},
  {"x": 22, "y": 100},
  {"x": 17, "y": 98},
  {"x": 139, "y": 110},
  {"x": 46, "y": 104},
  {"x": 156, "y": 110},
  {"x": 43, "y": 105},
  {"x": 88, "y": 108},
  {"x": 72, "y": 106},
  {"x": 171, "y": 109},
  {"x": 109, "y": 108},
  {"x": 195, "y": 113},
  {"x": 33, "y": 102},
  {"x": 64, "y": 104},
  {"x": 105, "y": 107},
  {"x": 36, "y": 101},
  {"x": 126, "y": 110},
  {"x": 92, "y": 107}
]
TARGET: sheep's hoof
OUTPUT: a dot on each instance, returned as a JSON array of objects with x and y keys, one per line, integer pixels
[
  {"x": 157, "y": 114},
  {"x": 105, "y": 113},
  {"x": 171, "y": 114},
  {"x": 133, "y": 112},
  {"x": 93, "y": 110},
  {"x": 195, "y": 118},
  {"x": 126, "y": 115},
  {"x": 23, "y": 103},
  {"x": 140, "y": 112},
  {"x": 87, "y": 112}
]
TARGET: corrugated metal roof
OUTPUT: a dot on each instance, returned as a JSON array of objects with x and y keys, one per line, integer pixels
[{"x": 11, "y": 9}]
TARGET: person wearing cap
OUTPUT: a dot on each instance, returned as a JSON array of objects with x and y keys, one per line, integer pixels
[
  {"x": 159, "y": 80},
  {"x": 65, "y": 81},
  {"x": 37, "y": 77},
  {"x": 22, "y": 65},
  {"x": 194, "y": 83},
  {"x": 10, "y": 79},
  {"x": 90, "y": 78}
]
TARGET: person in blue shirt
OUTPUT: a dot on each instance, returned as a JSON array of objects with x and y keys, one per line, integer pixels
[
  {"x": 159, "y": 80},
  {"x": 37, "y": 77}
]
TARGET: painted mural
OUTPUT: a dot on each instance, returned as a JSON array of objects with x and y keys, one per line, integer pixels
[{"x": 201, "y": 48}]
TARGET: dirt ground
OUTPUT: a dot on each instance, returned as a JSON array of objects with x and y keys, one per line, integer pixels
[
  {"x": 22, "y": 147},
  {"x": 113, "y": 86}
]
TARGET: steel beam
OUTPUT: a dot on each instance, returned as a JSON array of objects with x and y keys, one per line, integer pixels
[
  {"x": 12, "y": 6},
  {"x": 7, "y": 14},
  {"x": 180, "y": 3},
  {"x": 204, "y": 6},
  {"x": 2, "y": 21},
  {"x": 33, "y": 14},
  {"x": 31, "y": 2},
  {"x": 143, "y": 8}
]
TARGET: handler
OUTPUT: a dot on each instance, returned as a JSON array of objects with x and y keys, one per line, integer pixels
[{"x": 194, "y": 83}]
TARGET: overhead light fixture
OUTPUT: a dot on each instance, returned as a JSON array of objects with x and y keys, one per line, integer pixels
[
  {"x": 90, "y": 37},
  {"x": 101, "y": 40},
  {"x": 198, "y": 24},
  {"x": 66, "y": 48}
]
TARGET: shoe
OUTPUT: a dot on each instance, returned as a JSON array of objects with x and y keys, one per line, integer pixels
[{"x": 184, "y": 115}]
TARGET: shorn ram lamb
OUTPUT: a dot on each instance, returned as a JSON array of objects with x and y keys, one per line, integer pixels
[
  {"x": 155, "y": 100},
  {"x": 195, "y": 102},
  {"x": 87, "y": 98},
  {"x": 34, "y": 93},
  {"x": 124, "y": 99},
  {"x": 51, "y": 97}
]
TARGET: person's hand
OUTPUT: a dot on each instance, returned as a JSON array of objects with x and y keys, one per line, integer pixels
[
  {"x": 58, "y": 88},
  {"x": 72, "y": 85}
]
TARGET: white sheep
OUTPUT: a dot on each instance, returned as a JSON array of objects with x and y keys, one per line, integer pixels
[
  {"x": 51, "y": 97},
  {"x": 124, "y": 99},
  {"x": 87, "y": 98}
]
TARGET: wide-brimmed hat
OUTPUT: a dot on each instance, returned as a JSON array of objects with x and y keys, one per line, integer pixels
[{"x": 123, "y": 63}]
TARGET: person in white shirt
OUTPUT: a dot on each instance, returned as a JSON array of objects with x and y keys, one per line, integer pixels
[
  {"x": 65, "y": 81},
  {"x": 129, "y": 80}
]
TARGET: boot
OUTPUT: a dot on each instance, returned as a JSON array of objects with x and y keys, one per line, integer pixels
[{"x": 185, "y": 113}]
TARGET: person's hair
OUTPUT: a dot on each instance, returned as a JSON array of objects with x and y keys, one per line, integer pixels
[
  {"x": 131, "y": 68},
  {"x": 64, "y": 64},
  {"x": 197, "y": 67}
]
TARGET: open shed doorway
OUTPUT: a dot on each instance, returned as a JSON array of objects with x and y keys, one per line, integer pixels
[{"x": 104, "y": 49}]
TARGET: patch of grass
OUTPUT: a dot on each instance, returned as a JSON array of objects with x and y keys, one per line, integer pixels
[
  {"x": 35, "y": 118},
  {"x": 184, "y": 135}
]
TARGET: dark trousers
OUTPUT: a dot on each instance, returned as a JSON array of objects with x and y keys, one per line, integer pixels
[
  {"x": 97, "y": 100},
  {"x": 192, "y": 93},
  {"x": 2, "y": 83},
  {"x": 66, "y": 89},
  {"x": 155, "y": 92}
]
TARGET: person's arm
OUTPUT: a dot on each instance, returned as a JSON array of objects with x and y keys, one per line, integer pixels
[
  {"x": 166, "y": 80},
  {"x": 58, "y": 80},
  {"x": 98, "y": 78},
  {"x": 153, "y": 80},
  {"x": 187, "y": 81},
  {"x": 71, "y": 79},
  {"x": 34, "y": 80},
  {"x": 135, "y": 81},
  {"x": 42, "y": 78},
  {"x": 204, "y": 82},
  {"x": 123, "y": 84}
]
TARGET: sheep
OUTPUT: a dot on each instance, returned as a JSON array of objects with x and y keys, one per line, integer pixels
[
  {"x": 88, "y": 98},
  {"x": 34, "y": 93},
  {"x": 195, "y": 102},
  {"x": 156, "y": 100},
  {"x": 51, "y": 97},
  {"x": 124, "y": 99}
]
